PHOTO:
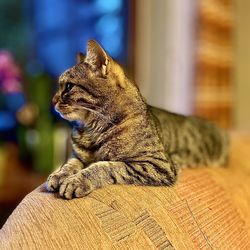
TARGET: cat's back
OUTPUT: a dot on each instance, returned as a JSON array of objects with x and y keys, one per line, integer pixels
[{"x": 192, "y": 139}]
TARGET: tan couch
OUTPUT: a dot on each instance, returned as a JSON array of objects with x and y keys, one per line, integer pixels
[{"x": 209, "y": 208}]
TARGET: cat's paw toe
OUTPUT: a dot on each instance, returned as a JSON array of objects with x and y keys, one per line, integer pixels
[
  {"x": 66, "y": 190},
  {"x": 55, "y": 180},
  {"x": 52, "y": 183},
  {"x": 73, "y": 187}
]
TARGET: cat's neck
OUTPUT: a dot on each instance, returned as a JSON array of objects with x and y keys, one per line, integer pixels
[{"x": 97, "y": 125}]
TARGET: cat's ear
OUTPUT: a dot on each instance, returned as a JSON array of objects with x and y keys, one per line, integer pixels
[
  {"x": 80, "y": 57},
  {"x": 97, "y": 57}
]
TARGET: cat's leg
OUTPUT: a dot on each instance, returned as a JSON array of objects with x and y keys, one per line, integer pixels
[
  {"x": 71, "y": 167},
  {"x": 152, "y": 172}
]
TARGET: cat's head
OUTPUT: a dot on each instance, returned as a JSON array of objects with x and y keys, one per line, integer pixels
[{"x": 96, "y": 87}]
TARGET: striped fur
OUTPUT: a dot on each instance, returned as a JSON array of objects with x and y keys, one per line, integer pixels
[{"x": 118, "y": 138}]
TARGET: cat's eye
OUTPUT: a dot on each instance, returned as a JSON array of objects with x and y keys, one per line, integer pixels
[{"x": 69, "y": 86}]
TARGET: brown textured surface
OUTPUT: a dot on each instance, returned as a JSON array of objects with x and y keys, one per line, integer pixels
[{"x": 209, "y": 208}]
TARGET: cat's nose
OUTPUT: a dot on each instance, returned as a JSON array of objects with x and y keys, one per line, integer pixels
[{"x": 55, "y": 99}]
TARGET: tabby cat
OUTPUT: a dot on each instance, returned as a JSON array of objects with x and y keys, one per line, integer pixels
[{"x": 119, "y": 139}]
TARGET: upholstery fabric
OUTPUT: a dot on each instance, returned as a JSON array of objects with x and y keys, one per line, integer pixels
[{"x": 208, "y": 208}]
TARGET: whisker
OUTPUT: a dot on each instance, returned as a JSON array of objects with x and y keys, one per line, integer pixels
[{"x": 97, "y": 113}]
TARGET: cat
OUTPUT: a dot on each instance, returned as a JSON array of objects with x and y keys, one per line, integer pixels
[{"x": 119, "y": 139}]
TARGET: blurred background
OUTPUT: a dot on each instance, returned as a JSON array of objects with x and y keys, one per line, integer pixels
[{"x": 187, "y": 56}]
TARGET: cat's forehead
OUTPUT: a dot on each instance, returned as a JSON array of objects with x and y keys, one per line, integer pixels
[{"x": 75, "y": 73}]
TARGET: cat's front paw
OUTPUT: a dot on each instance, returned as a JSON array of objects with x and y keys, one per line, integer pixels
[
  {"x": 55, "y": 179},
  {"x": 75, "y": 186}
]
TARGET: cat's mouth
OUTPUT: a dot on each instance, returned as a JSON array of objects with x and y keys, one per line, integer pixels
[
  {"x": 57, "y": 108},
  {"x": 61, "y": 110},
  {"x": 71, "y": 115},
  {"x": 67, "y": 112}
]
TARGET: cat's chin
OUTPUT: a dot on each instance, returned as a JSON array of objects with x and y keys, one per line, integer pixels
[{"x": 69, "y": 116}]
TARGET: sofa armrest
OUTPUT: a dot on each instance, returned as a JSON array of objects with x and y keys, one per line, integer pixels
[{"x": 208, "y": 208}]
